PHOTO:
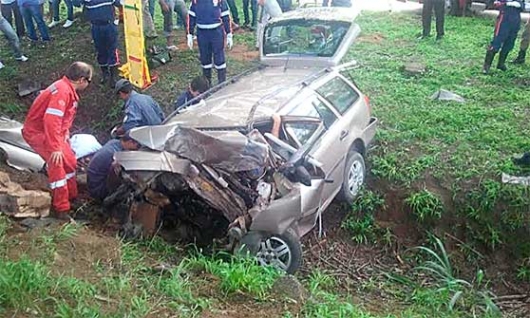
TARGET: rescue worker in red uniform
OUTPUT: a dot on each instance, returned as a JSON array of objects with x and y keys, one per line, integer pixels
[{"x": 47, "y": 130}]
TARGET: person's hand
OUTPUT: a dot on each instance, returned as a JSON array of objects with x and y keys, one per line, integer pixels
[
  {"x": 164, "y": 6},
  {"x": 56, "y": 158},
  {"x": 229, "y": 40},
  {"x": 190, "y": 41},
  {"x": 116, "y": 167},
  {"x": 261, "y": 2},
  {"x": 514, "y": 4}
]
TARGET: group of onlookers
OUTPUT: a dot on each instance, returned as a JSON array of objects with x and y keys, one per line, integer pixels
[{"x": 505, "y": 32}]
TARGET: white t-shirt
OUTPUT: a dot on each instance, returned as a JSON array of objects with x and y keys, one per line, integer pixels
[
  {"x": 7, "y": 1},
  {"x": 84, "y": 145}
]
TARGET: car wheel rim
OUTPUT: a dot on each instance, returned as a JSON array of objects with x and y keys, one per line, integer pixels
[
  {"x": 355, "y": 178},
  {"x": 275, "y": 251}
]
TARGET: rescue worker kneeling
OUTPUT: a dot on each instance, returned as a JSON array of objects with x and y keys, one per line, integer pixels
[
  {"x": 140, "y": 109},
  {"x": 102, "y": 178},
  {"x": 47, "y": 131}
]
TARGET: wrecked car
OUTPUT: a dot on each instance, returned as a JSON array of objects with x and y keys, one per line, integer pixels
[{"x": 215, "y": 171}]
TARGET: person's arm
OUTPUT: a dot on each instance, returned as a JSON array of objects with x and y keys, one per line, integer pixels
[
  {"x": 225, "y": 16},
  {"x": 276, "y": 125},
  {"x": 163, "y": 5},
  {"x": 53, "y": 120},
  {"x": 133, "y": 117}
]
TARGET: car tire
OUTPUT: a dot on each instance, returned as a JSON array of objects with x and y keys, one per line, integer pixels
[
  {"x": 354, "y": 176},
  {"x": 283, "y": 251}
]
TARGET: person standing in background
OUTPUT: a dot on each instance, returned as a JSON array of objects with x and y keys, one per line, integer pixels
[
  {"x": 10, "y": 12},
  {"x": 426, "y": 18}
]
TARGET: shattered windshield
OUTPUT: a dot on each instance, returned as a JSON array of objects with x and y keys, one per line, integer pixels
[{"x": 304, "y": 37}]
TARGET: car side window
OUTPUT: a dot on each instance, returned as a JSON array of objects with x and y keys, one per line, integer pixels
[
  {"x": 313, "y": 107},
  {"x": 341, "y": 95},
  {"x": 301, "y": 131}
]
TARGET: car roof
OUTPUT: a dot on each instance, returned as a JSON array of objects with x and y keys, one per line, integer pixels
[
  {"x": 320, "y": 13},
  {"x": 258, "y": 94}
]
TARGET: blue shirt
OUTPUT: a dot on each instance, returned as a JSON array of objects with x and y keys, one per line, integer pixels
[
  {"x": 100, "y": 167},
  {"x": 208, "y": 14},
  {"x": 184, "y": 98},
  {"x": 141, "y": 110},
  {"x": 100, "y": 10}
]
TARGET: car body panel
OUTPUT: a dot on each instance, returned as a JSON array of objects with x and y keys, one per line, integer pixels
[{"x": 17, "y": 151}]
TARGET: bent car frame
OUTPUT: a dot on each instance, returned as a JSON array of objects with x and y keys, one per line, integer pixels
[{"x": 216, "y": 170}]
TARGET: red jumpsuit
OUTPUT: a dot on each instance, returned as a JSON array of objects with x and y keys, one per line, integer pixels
[{"x": 46, "y": 130}]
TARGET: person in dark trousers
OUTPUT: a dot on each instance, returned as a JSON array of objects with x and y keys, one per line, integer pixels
[
  {"x": 100, "y": 13},
  {"x": 523, "y": 47},
  {"x": 102, "y": 179},
  {"x": 31, "y": 11},
  {"x": 426, "y": 16},
  {"x": 140, "y": 109},
  {"x": 212, "y": 19},
  {"x": 254, "y": 9},
  {"x": 505, "y": 33},
  {"x": 11, "y": 12},
  {"x": 197, "y": 86},
  {"x": 233, "y": 11}
]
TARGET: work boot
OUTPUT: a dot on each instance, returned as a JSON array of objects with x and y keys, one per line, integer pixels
[
  {"x": 104, "y": 74},
  {"x": 501, "y": 64},
  {"x": 113, "y": 74},
  {"x": 221, "y": 75},
  {"x": 490, "y": 54},
  {"x": 520, "y": 57},
  {"x": 207, "y": 72}
]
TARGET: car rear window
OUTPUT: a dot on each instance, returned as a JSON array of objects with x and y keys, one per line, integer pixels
[{"x": 339, "y": 93}]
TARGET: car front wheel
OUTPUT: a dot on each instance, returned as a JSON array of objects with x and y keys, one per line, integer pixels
[
  {"x": 282, "y": 251},
  {"x": 354, "y": 175}
]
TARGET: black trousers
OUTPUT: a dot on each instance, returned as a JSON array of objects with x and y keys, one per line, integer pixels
[
  {"x": 10, "y": 11},
  {"x": 426, "y": 16}
]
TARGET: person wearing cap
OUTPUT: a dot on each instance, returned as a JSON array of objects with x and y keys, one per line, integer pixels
[
  {"x": 102, "y": 179},
  {"x": 100, "y": 13},
  {"x": 140, "y": 109}
]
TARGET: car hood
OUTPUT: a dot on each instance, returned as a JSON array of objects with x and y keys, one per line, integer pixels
[{"x": 225, "y": 150}]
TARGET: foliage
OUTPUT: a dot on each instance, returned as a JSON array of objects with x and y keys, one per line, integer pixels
[
  {"x": 474, "y": 297},
  {"x": 425, "y": 205},
  {"x": 238, "y": 274},
  {"x": 360, "y": 222}
]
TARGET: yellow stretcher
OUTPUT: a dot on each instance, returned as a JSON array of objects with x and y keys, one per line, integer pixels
[{"x": 136, "y": 69}]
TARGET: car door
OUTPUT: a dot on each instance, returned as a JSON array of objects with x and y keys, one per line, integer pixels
[
  {"x": 319, "y": 138},
  {"x": 338, "y": 94}
]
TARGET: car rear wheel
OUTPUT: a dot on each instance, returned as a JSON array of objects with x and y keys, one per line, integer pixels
[
  {"x": 282, "y": 251},
  {"x": 354, "y": 175}
]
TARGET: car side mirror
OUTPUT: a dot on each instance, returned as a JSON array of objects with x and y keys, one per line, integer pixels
[{"x": 303, "y": 176}]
